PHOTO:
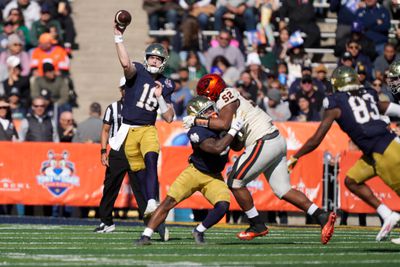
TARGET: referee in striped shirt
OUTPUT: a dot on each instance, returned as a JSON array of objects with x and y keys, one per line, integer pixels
[{"x": 117, "y": 166}]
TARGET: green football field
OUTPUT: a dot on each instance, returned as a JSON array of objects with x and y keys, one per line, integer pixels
[{"x": 59, "y": 245}]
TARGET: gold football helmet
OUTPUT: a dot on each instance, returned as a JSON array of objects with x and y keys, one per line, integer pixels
[
  {"x": 156, "y": 49},
  {"x": 200, "y": 106},
  {"x": 345, "y": 79},
  {"x": 393, "y": 77}
]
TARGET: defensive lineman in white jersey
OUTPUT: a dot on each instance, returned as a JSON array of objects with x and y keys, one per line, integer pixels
[{"x": 265, "y": 152}]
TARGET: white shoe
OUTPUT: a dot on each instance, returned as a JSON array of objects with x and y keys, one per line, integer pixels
[
  {"x": 396, "y": 241},
  {"x": 103, "y": 228},
  {"x": 150, "y": 209},
  {"x": 388, "y": 225}
]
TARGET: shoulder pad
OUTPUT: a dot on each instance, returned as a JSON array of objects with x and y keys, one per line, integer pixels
[{"x": 226, "y": 97}]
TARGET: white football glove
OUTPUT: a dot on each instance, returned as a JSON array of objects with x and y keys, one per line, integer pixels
[
  {"x": 188, "y": 121},
  {"x": 236, "y": 125}
]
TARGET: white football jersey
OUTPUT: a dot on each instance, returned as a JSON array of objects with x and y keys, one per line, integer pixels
[{"x": 257, "y": 123}]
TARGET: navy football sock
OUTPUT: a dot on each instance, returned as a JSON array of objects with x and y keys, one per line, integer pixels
[
  {"x": 141, "y": 176},
  {"x": 150, "y": 160},
  {"x": 216, "y": 214}
]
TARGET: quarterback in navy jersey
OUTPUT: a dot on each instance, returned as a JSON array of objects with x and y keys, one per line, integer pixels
[
  {"x": 210, "y": 154},
  {"x": 146, "y": 91},
  {"x": 357, "y": 111}
]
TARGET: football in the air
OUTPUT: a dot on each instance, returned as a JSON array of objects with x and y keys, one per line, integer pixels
[{"x": 123, "y": 18}]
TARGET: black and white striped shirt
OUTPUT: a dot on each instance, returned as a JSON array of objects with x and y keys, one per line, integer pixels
[{"x": 113, "y": 117}]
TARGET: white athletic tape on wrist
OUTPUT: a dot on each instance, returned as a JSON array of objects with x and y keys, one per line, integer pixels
[
  {"x": 118, "y": 39},
  {"x": 232, "y": 132},
  {"x": 163, "y": 105}
]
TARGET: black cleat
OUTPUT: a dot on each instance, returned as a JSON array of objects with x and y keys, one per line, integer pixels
[
  {"x": 198, "y": 237},
  {"x": 143, "y": 241}
]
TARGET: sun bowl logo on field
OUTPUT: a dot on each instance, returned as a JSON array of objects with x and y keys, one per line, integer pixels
[{"x": 57, "y": 174}]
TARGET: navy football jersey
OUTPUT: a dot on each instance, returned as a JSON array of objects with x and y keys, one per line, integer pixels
[
  {"x": 203, "y": 161},
  {"x": 361, "y": 120},
  {"x": 140, "y": 104}
]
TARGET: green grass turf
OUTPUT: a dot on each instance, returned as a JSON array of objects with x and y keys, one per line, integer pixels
[{"x": 53, "y": 245}]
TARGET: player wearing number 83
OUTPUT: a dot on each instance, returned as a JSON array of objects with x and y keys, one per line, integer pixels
[
  {"x": 146, "y": 91},
  {"x": 357, "y": 111}
]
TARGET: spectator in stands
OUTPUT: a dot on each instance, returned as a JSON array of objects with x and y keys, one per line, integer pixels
[
  {"x": 48, "y": 51},
  {"x": 247, "y": 87},
  {"x": 367, "y": 46},
  {"x": 17, "y": 18},
  {"x": 222, "y": 66},
  {"x": 30, "y": 10},
  {"x": 55, "y": 84},
  {"x": 46, "y": 24},
  {"x": 282, "y": 73},
  {"x": 231, "y": 26},
  {"x": 383, "y": 62},
  {"x": 66, "y": 127},
  {"x": 166, "y": 9},
  {"x": 196, "y": 69},
  {"x": 346, "y": 15},
  {"x": 243, "y": 11},
  {"x": 275, "y": 107},
  {"x": 301, "y": 16},
  {"x": 174, "y": 61},
  {"x": 233, "y": 54},
  {"x": 7, "y": 31},
  {"x": 253, "y": 66},
  {"x": 190, "y": 32},
  {"x": 310, "y": 92},
  {"x": 359, "y": 58},
  {"x": 320, "y": 75},
  {"x": 63, "y": 15},
  {"x": 15, "y": 48},
  {"x": 362, "y": 76},
  {"x": 346, "y": 60},
  {"x": 7, "y": 128},
  {"x": 282, "y": 45},
  {"x": 180, "y": 97},
  {"x": 89, "y": 131},
  {"x": 376, "y": 21},
  {"x": 306, "y": 70},
  {"x": 200, "y": 9},
  {"x": 296, "y": 59},
  {"x": 18, "y": 110},
  {"x": 268, "y": 58},
  {"x": 38, "y": 126},
  {"x": 383, "y": 91},
  {"x": 17, "y": 81},
  {"x": 306, "y": 112}
]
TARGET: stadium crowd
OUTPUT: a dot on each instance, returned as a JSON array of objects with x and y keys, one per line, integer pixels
[{"x": 259, "y": 47}]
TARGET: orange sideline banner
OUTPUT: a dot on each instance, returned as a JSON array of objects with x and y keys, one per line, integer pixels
[
  {"x": 53, "y": 173},
  {"x": 350, "y": 202},
  {"x": 307, "y": 177}
]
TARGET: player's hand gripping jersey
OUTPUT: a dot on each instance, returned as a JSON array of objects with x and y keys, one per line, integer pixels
[{"x": 257, "y": 123}]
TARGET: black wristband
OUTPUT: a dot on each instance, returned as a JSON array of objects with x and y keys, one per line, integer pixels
[{"x": 103, "y": 150}]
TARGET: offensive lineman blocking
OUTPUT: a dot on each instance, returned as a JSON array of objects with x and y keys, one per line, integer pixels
[{"x": 265, "y": 152}]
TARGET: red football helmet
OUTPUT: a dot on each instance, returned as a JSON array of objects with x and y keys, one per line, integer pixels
[{"x": 211, "y": 86}]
